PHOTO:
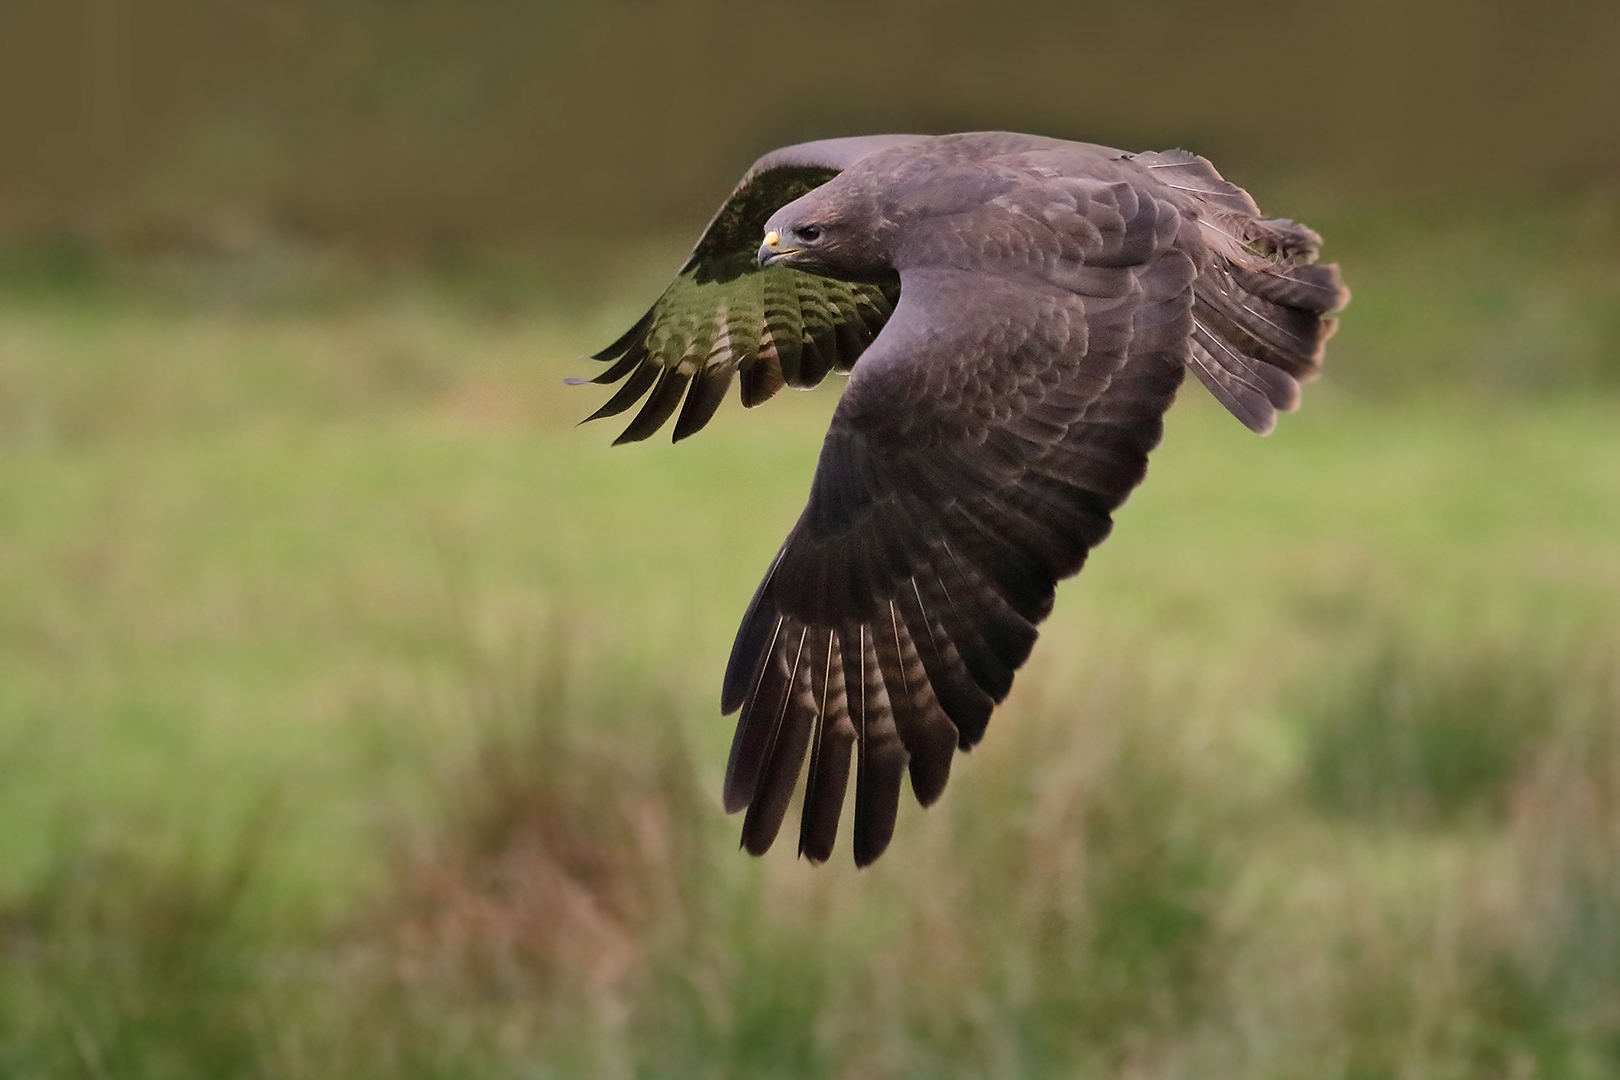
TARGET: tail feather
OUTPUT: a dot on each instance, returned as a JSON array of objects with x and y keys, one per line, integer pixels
[
  {"x": 1261, "y": 324},
  {"x": 1261, "y": 302},
  {"x": 1311, "y": 288}
]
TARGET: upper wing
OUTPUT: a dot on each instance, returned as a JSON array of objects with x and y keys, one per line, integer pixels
[
  {"x": 722, "y": 315},
  {"x": 973, "y": 461}
]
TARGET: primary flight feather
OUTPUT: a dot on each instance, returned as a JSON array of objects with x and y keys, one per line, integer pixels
[{"x": 1016, "y": 314}]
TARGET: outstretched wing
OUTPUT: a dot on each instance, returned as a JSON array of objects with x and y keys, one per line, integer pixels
[
  {"x": 973, "y": 461},
  {"x": 722, "y": 316}
]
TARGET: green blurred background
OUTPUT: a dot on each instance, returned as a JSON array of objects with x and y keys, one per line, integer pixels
[{"x": 358, "y": 711}]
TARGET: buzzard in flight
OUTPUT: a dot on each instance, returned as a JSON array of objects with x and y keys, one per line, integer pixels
[{"x": 1015, "y": 314}]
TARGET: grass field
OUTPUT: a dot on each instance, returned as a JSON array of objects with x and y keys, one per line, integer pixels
[{"x": 358, "y": 712}]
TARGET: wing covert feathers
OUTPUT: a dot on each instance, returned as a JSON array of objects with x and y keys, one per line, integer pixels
[
  {"x": 774, "y": 327},
  {"x": 723, "y": 317}
]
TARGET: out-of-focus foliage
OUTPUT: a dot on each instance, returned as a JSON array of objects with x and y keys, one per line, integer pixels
[
  {"x": 1518, "y": 295},
  {"x": 358, "y": 714}
]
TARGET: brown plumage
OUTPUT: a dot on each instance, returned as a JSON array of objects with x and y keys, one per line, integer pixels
[{"x": 1023, "y": 310}]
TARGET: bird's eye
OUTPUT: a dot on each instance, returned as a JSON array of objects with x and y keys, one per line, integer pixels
[{"x": 808, "y": 233}]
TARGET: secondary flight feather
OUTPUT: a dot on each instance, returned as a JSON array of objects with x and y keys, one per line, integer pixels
[{"x": 1016, "y": 314}]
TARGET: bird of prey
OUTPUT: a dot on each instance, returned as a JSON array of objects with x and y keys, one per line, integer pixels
[{"x": 1015, "y": 314}]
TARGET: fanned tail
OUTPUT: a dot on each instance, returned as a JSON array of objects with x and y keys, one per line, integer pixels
[
  {"x": 1259, "y": 327},
  {"x": 1262, "y": 304}
]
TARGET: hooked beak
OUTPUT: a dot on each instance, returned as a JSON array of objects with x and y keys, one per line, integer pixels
[{"x": 772, "y": 251}]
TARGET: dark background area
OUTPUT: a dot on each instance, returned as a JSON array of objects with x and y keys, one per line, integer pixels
[{"x": 422, "y": 126}]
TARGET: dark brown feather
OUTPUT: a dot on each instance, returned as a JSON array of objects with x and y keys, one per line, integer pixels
[
  {"x": 641, "y": 380},
  {"x": 829, "y": 764},
  {"x": 660, "y": 404},
  {"x": 789, "y": 738},
  {"x": 880, "y": 756}
]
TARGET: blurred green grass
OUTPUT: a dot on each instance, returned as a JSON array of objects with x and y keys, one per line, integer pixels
[{"x": 358, "y": 713}]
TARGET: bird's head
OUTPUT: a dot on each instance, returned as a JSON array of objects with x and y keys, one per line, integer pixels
[
  {"x": 796, "y": 246},
  {"x": 827, "y": 232}
]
